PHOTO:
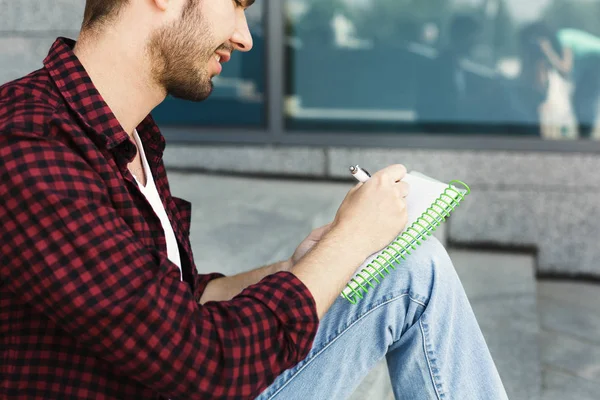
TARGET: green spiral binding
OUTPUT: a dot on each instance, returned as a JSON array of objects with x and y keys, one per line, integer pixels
[{"x": 411, "y": 238}]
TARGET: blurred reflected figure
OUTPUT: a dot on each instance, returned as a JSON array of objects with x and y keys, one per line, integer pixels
[
  {"x": 578, "y": 58},
  {"x": 541, "y": 97},
  {"x": 444, "y": 86}
]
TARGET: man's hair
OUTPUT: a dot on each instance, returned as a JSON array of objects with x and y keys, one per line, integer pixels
[{"x": 98, "y": 12}]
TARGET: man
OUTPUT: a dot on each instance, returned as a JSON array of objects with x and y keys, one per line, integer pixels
[{"x": 99, "y": 294}]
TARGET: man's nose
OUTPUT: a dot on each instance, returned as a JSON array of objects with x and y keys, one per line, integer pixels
[{"x": 242, "y": 38}]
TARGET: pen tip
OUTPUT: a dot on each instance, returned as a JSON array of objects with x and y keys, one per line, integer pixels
[{"x": 352, "y": 168}]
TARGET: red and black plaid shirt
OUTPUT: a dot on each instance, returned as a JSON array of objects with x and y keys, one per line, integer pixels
[{"x": 90, "y": 306}]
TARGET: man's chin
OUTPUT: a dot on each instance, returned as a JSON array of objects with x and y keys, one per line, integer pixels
[{"x": 190, "y": 93}]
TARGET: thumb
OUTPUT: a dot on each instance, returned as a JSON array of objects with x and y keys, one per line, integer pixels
[{"x": 356, "y": 187}]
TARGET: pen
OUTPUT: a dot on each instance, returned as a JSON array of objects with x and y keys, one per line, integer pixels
[{"x": 359, "y": 173}]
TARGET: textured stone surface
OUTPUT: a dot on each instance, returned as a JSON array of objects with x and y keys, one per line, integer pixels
[
  {"x": 560, "y": 225},
  {"x": 572, "y": 355},
  {"x": 571, "y": 309},
  {"x": 502, "y": 292},
  {"x": 559, "y": 385},
  {"x": 40, "y": 15},
  {"x": 241, "y": 223},
  {"x": 570, "y": 320},
  {"x": 570, "y": 344},
  {"x": 249, "y": 159},
  {"x": 524, "y": 170},
  {"x": 22, "y": 55},
  {"x": 578, "y": 295}
]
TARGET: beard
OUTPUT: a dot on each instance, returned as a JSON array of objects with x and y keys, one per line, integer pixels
[{"x": 180, "y": 54}]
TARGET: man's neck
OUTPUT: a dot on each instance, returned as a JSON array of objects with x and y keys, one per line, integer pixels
[{"x": 120, "y": 71}]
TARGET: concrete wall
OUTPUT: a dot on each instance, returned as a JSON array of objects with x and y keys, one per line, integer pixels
[
  {"x": 544, "y": 200},
  {"x": 29, "y": 27}
]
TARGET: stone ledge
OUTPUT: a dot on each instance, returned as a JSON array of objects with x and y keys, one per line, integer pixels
[
  {"x": 554, "y": 171},
  {"x": 518, "y": 199},
  {"x": 241, "y": 223},
  {"x": 251, "y": 159},
  {"x": 560, "y": 225},
  {"x": 502, "y": 291}
]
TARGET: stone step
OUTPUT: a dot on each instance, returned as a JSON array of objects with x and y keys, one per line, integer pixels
[
  {"x": 239, "y": 223},
  {"x": 570, "y": 341},
  {"x": 242, "y": 223},
  {"x": 502, "y": 290}
]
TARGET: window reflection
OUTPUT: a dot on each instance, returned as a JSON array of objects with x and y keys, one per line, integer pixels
[{"x": 464, "y": 66}]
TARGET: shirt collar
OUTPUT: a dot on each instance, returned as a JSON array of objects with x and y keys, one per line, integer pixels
[{"x": 80, "y": 94}]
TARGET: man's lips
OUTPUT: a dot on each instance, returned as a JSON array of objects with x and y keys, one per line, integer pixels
[{"x": 223, "y": 56}]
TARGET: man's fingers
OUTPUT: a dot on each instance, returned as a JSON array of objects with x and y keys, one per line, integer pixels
[
  {"x": 319, "y": 232},
  {"x": 403, "y": 189},
  {"x": 354, "y": 188},
  {"x": 394, "y": 173},
  {"x": 324, "y": 228}
]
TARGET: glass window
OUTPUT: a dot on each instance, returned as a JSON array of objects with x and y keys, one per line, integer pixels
[
  {"x": 510, "y": 67},
  {"x": 239, "y": 91}
]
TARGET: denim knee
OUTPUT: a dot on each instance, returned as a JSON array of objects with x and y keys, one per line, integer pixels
[{"x": 429, "y": 264}]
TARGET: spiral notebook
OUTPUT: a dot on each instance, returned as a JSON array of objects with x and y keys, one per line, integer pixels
[{"x": 429, "y": 203}]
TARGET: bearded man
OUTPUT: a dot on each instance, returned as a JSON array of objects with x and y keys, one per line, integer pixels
[{"x": 99, "y": 294}]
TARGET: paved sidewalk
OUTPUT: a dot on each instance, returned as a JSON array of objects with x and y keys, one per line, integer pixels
[
  {"x": 240, "y": 223},
  {"x": 570, "y": 340}
]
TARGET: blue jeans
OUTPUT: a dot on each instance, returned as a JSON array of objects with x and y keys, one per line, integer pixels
[{"x": 420, "y": 320}]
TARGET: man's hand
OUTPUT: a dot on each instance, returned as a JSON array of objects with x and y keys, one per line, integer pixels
[
  {"x": 308, "y": 243},
  {"x": 370, "y": 216}
]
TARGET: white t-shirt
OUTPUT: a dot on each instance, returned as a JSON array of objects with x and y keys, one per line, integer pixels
[{"x": 151, "y": 194}]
